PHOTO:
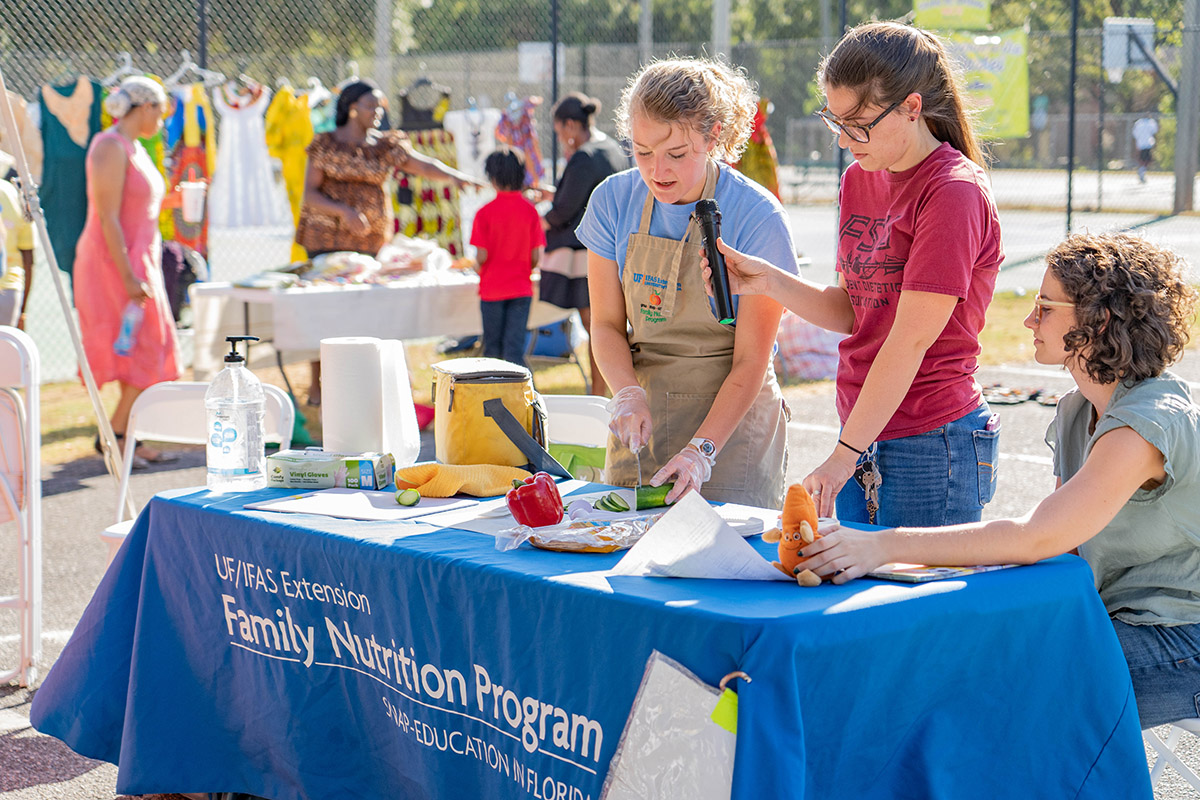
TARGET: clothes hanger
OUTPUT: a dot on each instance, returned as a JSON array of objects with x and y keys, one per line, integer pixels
[
  {"x": 422, "y": 81},
  {"x": 208, "y": 77},
  {"x": 317, "y": 93},
  {"x": 125, "y": 68},
  {"x": 352, "y": 67}
]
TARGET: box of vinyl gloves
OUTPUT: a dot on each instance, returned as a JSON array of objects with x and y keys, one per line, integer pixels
[{"x": 317, "y": 469}]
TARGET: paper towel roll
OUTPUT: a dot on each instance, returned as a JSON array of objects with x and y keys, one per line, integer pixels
[{"x": 366, "y": 399}]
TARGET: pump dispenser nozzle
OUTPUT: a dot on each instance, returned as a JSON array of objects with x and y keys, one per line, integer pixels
[{"x": 233, "y": 356}]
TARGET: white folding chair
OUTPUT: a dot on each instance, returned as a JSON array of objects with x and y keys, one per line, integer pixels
[
  {"x": 1167, "y": 755},
  {"x": 21, "y": 492},
  {"x": 579, "y": 420},
  {"x": 174, "y": 412}
]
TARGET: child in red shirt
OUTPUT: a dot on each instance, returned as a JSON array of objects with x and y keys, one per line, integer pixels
[{"x": 509, "y": 240}]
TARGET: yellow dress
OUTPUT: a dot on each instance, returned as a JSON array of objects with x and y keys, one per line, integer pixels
[{"x": 289, "y": 131}]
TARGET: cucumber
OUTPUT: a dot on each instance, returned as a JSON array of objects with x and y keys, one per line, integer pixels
[
  {"x": 611, "y": 502},
  {"x": 408, "y": 497},
  {"x": 653, "y": 496},
  {"x": 644, "y": 497}
]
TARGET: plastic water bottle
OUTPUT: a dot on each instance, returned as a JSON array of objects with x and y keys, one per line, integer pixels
[
  {"x": 131, "y": 322},
  {"x": 237, "y": 460}
]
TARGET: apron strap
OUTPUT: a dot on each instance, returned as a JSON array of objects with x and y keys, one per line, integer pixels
[{"x": 710, "y": 187}]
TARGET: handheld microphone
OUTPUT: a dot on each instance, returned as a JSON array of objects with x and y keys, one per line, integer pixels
[{"x": 709, "y": 217}]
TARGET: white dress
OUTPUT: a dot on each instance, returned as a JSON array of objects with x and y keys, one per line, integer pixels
[
  {"x": 244, "y": 192},
  {"x": 474, "y": 137}
]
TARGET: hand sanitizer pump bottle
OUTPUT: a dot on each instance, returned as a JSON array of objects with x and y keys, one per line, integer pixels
[{"x": 235, "y": 405}]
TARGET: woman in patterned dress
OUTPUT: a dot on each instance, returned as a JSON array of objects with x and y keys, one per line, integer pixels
[{"x": 345, "y": 205}]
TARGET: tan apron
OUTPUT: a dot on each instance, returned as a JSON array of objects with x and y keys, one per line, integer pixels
[{"x": 682, "y": 355}]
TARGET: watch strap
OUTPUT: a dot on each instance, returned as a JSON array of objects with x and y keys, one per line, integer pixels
[{"x": 706, "y": 448}]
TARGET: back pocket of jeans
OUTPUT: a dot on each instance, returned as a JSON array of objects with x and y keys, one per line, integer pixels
[{"x": 987, "y": 456}]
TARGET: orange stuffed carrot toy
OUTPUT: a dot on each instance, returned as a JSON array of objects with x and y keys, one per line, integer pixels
[{"x": 798, "y": 528}]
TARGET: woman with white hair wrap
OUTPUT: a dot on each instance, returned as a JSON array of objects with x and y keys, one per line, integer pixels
[{"x": 119, "y": 261}]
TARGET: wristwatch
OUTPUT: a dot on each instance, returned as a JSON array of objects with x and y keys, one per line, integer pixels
[{"x": 707, "y": 448}]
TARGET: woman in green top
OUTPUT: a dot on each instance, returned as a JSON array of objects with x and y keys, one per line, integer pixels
[{"x": 1114, "y": 310}]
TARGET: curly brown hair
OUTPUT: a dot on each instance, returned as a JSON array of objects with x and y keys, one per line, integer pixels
[{"x": 1133, "y": 305}]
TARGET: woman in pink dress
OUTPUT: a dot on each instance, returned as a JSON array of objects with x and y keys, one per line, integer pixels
[{"x": 120, "y": 255}]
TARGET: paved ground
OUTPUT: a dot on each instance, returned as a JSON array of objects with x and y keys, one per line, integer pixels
[{"x": 80, "y": 501}]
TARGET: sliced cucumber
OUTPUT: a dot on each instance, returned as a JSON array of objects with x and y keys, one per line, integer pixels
[
  {"x": 408, "y": 497},
  {"x": 611, "y": 502},
  {"x": 653, "y": 496}
]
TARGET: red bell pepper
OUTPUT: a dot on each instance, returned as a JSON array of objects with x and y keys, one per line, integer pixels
[{"x": 536, "y": 502}]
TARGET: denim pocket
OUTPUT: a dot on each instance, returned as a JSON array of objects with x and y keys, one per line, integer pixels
[{"x": 987, "y": 456}]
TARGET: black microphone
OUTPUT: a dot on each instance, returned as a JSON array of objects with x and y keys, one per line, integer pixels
[{"x": 709, "y": 217}]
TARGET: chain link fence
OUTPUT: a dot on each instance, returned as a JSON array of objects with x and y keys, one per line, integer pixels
[{"x": 487, "y": 52}]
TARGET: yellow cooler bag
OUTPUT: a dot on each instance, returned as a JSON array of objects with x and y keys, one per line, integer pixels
[{"x": 487, "y": 412}]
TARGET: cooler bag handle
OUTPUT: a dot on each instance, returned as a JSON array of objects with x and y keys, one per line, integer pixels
[{"x": 539, "y": 459}]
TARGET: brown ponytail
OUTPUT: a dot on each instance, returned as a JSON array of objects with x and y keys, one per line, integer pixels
[{"x": 887, "y": 61}]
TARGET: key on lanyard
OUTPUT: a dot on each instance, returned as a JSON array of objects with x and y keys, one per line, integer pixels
[{"x": 869, "y": 478}]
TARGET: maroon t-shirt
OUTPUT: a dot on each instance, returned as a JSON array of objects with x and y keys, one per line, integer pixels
[
  {"x": 508, "y": 228},
  {"x": 932, "y": 228}
]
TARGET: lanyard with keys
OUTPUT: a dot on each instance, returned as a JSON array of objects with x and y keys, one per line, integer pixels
[{"x": 867, "y": 475}]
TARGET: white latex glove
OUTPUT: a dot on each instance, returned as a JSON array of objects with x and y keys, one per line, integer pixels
[
  {"x": 688, "y": 469},
  {"x": 630, "y": 417}
]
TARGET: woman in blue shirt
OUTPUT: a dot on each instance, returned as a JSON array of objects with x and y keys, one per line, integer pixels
[{"x": 695, "y": 401}]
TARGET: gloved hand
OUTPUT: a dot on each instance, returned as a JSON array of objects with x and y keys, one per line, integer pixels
[
  {"x": 689, "y": 469},
  {"x": 630, "y": 417}
]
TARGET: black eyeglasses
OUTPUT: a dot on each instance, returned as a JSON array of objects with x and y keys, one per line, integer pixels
[{"x": 859, "y": 133}]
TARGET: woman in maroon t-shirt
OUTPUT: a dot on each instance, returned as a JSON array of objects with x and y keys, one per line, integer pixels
[{"x": 918, "y": 253}]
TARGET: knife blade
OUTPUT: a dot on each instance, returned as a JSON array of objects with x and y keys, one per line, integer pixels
[{"x": 637, "y": 455}]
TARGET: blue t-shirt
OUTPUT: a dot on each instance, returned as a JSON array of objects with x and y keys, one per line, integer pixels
[{"x": 752, "y": 220}]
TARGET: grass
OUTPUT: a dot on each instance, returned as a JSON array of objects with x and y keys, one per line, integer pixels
[{"x": 69, "y": 424}]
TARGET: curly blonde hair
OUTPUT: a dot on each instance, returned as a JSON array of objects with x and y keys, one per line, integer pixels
[
  {"x": 697, "y": 92},
  {"x": 1133, "y": 305}
]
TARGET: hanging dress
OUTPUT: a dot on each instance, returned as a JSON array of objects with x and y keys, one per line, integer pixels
[
  {"x": 289, "y": 131},
  {"x": 243, "y": 192},
  {"x": 759, "y": 162},
  {"x": 517, "y": 130},
  {"x": 474, "y": 131},
  {"x": 100, "y": 294},
  {"x": 424, "y": 208},
  {"x": 189, "y": 134},
  {"x": 69, "y": 121}
]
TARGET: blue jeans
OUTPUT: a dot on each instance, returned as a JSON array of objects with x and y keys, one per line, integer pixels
[
  {"x": 942, "y": 477},
  {"x": 1164, "y": 663},
  {"x": 504, "y": 328}
]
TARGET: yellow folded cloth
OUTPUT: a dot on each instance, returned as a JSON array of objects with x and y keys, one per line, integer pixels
[{"x": 444, "y": 480}]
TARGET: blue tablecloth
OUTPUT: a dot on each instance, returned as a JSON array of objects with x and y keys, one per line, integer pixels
[{"x": 286, "y": 656}]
